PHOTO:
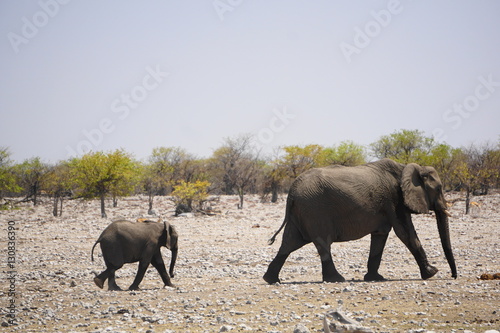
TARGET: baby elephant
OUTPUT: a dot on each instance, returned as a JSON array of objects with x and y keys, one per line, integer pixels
[{"x": 125, "y": 242}]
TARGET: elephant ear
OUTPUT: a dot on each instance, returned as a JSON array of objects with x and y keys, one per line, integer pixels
[
  {"x": 171, "y": 236},
  {"x": 412, "y": 185},
  {"x": 166, "y": 233}
]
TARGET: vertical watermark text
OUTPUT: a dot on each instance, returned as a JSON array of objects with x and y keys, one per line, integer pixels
[{"x": 11, "y": 272}]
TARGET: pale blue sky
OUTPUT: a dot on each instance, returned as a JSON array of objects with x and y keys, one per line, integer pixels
[{"x": 101, "y": 75}]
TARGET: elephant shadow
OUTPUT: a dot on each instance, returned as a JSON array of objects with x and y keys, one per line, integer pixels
[
  {"x": 359, "y": 281},
  {"x": 156, "y": 289}
]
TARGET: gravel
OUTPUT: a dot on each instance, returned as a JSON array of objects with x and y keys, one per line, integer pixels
[{"x": 219, "y": 286}]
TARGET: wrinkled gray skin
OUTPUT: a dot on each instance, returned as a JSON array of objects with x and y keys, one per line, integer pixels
[
  {"x": 126, "y": 242},
  {"x": 338, "y": 204}
]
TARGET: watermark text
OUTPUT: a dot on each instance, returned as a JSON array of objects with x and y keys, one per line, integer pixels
[
  {"x": 11, "y": 273},
  {"x": 222, "y": 7},
  {"x": 455, "y": 115},
  {"x": 121, "y": 107},
  {"x": 31, "y": 26},
  {"x": 372, "y": 29},
  {"x": 277, "y": 124}
]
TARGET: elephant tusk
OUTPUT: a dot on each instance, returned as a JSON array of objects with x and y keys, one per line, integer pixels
[{"x": 447, "y": 213}]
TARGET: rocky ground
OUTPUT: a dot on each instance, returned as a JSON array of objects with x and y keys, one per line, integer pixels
[{"x": 219, "y": 284}]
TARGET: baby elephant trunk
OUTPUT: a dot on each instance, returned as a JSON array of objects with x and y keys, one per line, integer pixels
[{"x": 172, "y": 262}]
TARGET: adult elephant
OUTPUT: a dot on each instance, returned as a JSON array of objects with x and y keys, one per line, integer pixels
[
  {"x": 126, "y": 242},
  {"x": 337, "y": 204}
]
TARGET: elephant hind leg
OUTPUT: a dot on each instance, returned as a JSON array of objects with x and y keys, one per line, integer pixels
[
  {"x": 292, "y": 241},
  {"x": 273, "y": 271},
  {"x": 112, "y": 281},
  {"x": 377, "y": 245},
  {"x": 101, "y": 278},
  {"x": 99, "y": 281},
  {"x": 330, "y": 273},
  {"x": 107, "y": 274}
]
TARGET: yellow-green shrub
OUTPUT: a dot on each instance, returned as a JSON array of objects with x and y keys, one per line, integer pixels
[{"x": 187, "y": 193}]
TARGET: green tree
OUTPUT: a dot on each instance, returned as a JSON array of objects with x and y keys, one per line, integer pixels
[
  {"x": 346, "y": 153},
  {"x": 58, "y": 185},
  {"x": 492, "y": 163},
  {"x": 189, "y": 194},
  {"x": 127, "y": 185},
  {"x": 151, "y": 183},
  {"x": 272, "y": 177},
  {"x": 98, "y": 174},
  {"x": 166, "y": 167},
  {"x": 298, "y": 159},
  {"x": 170, "y": 165},
  {"x": 405, "y": 146},
  {"x": 31, "y": 174},
  {"x": 444, "y": 158},
  {"x": 8, "y": 183},
  {"x": 7, "y": 178},
  {"x": 467, "y": 178}
]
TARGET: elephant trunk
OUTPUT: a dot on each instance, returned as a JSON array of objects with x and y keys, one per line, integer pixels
[
  {"x": 444, "y": 234},
  {"x": 172, "y": 262}
]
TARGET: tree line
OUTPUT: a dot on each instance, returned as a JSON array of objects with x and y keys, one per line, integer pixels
[{"x": 235, "y": 168}]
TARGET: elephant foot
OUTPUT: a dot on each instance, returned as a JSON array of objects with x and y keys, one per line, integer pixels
[
  {"x": 428, "y": 272},
  {"x": 98, "y": 282},
  {"x": 114, "y": 287},
  {"x": 330, "y": 273},
  {"x": 374, "y": 277},
  {"x": 271, "y": 278},
  {"x": 334, "y": 278},
  {"x": 132, "y": 287}
]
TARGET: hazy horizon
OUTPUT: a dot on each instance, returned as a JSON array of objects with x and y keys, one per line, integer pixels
[{"x": 79, "y": 76}]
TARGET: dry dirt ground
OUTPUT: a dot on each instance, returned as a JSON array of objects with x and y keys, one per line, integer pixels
[{"x": 219, "y": 284}]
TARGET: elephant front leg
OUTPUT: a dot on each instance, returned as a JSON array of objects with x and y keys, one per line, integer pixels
[
  {"x": 408, "y": 236},
  {"x": 158, "y": 263},
  {"x": 143, "y": 266},
  {"x": 377, "y": 245},
  {"x": 108, "y": 274},
  {"x": 330, "y": 273}
]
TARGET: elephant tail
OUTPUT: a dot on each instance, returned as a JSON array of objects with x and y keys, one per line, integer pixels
[
  {"x": 271, "y": 241},
  {"x": 289, "y": 203},
  {"x": 92, "y": 253}
]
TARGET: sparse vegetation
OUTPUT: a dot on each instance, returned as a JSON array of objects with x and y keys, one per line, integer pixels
[
  {"x": 237, "y": 168},
  {"x": 190, "y": 196},
  {"x": 96, "y": 175},
  {"x": 8, "y": 184}
]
